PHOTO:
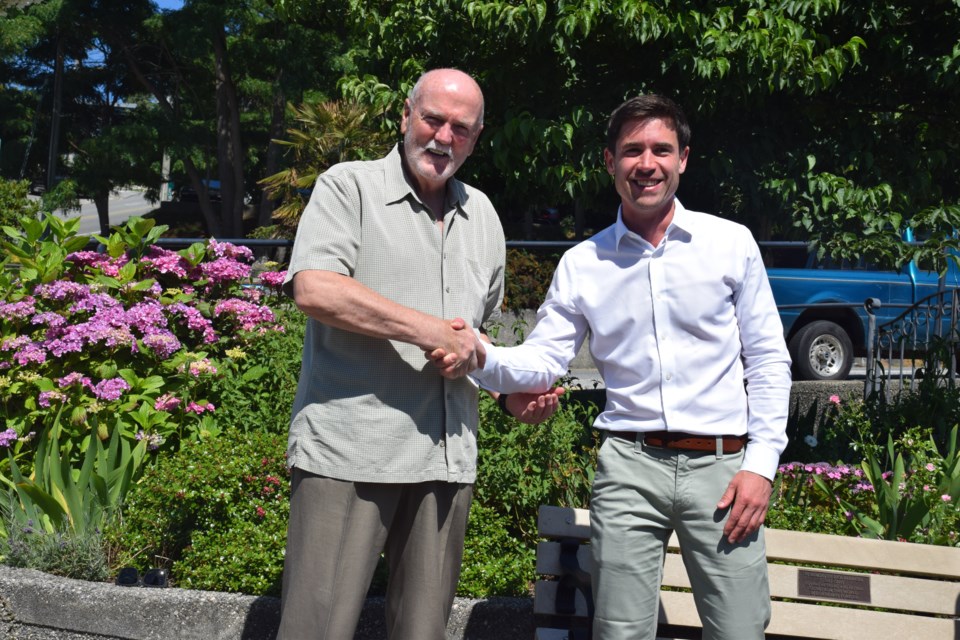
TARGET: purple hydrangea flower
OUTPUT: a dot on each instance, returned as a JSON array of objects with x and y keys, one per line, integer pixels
[
  {"x": 32, "y": 352},
  {"x": 8, "y": 437},
  {"x": 72, "y": 378},
  {"x": 62, "y": 290},
  {"x": 164, "y": 261},
  {"x": 18, "y": 310},
  {"x": 110, "y": 389},
  {"x": 166, "y": 402},
  {"x": 162, "y": 342},
  {"x": 107, "y": 265},
  {"x": 195, "y": 321}
]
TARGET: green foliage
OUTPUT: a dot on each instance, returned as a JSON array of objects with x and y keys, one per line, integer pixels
[
  {"x": 14, "y": 202},
  {"x": 528, "y": 278},
  {"x": 215, "y": 513},
  {"x": 495, "y": 562},
  {"x": 62, "y": 552},
  {"x": 521, "y": 466},
  {"x": 326, "y": 133},
  {"x": 65, "y": 196},
  {"x": 918, "y": 497},
  {"x": 259, "y": 381},
  {"x": 56, "y": 496}
]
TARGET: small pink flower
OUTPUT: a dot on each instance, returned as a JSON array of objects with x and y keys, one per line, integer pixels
[
  {"x": 835, "y": 399},
  {"x": 930, "y": 467},
  {"x": 198, "y": 408},
  {"x": 166, "y": 402},
  {"x": 946, "y": 497}
]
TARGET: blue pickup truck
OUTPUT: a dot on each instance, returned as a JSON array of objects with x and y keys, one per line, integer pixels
[{"x": 821, "y": 304}]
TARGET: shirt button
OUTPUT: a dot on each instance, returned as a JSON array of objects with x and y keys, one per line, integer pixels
[
  {"x": 669, "y": 376},
  {"x": 447, "y": 289},
  {"x": 443, "y": 443}
]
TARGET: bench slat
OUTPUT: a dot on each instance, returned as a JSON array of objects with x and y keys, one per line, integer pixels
[
  {"x": 839, "y": 623},
  {"x": 792, "y": 618},
  {"x": 886, "y": 592},
  {"x": 796, "y": 546},
  {"x": 863, "y": 553}
]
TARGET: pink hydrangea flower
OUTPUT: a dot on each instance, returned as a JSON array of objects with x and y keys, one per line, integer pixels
[
  {"x": 166, "y": 402},
  {"x": 273, "y": 278}
]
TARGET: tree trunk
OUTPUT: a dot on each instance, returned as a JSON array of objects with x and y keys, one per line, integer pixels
[
  {"x": 54, "y": 150},
  {"x": 229, "y": 151},
  {"x": 102, "y": 202},
  {"x": 277, "y": 125}
]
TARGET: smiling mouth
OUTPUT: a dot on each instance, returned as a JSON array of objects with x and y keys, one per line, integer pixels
[{"x": 645, "y": 184}]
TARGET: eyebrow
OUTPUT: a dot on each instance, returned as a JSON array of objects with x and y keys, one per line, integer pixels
[{"x": 424, "y": 113}]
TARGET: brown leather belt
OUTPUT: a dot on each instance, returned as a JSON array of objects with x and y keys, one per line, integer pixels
[{"x": 683, "y": 441}]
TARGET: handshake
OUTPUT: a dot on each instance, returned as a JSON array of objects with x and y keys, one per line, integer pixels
[{"x": 462, "y": 351}]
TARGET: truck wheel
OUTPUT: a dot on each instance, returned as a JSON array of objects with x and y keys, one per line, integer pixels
[{"x": 822, "y": 350}]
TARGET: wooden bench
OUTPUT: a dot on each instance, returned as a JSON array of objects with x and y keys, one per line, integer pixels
[{"x": 884, "y": 590}]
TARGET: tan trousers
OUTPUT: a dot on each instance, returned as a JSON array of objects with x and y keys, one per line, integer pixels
[{"x": 336, "y": 533}]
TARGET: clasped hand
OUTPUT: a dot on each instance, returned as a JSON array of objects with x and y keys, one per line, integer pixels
[
  {"x": 462, "y": 351},
  {"x": 530, "y": 408},
  {"x": 458, "y": 352}
]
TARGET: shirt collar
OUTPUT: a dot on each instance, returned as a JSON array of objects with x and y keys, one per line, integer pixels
[
  {"x": 679, "y": 224},
  {"x": 399, "y": 185}
]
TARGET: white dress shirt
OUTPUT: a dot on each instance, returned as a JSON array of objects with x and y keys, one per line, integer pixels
[{"x": 686, "y": 334}]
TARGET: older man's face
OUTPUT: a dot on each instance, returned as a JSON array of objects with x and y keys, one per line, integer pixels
[{"x": 441, "y": 129}]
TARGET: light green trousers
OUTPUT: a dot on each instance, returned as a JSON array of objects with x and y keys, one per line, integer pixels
[{"x": 642, "y": 494}]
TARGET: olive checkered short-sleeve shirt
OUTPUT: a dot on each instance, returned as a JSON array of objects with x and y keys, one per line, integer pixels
[{"x": 373, "y": 410}]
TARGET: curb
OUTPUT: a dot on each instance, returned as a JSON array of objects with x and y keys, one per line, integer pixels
[{"x": 39, "y": 606}]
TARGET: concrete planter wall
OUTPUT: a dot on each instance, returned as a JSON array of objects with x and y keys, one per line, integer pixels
[{"x": 37, "y": 606}]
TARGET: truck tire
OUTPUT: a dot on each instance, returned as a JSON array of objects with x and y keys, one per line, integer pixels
[{"x": 821, "y": 350}]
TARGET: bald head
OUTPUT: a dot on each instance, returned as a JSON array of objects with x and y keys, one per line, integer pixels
[{"x": 450, "y": 81}]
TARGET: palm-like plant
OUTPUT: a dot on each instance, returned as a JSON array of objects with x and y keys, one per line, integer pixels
[{"x": 326, "y": 133}]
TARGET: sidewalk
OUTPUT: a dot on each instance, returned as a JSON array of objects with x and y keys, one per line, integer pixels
[{"x": 37, "y": 606}]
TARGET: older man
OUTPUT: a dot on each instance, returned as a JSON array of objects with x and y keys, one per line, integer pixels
[{"x": 382, "y": 448}]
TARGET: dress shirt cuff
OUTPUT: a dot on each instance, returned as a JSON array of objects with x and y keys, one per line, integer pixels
[
  {"x": 484, "y": 376},
  {"x": 760, "y": 459}
]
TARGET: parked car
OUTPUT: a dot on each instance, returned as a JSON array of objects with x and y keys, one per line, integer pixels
[
  {"x": 821, "y": 305},
  {"x": 187, "y": 193}
]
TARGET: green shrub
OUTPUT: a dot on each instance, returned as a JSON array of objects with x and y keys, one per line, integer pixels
[
  {"x": 62, "y": 552},
  {"x": 215, "y": 513},
  {"x": 15, "y": 203},
  {"x": 495, "y": 563},
  {"x": 527, "y": 280},
  {"x": 259, "y": 383},
  {"x": 522, "y": 466}
]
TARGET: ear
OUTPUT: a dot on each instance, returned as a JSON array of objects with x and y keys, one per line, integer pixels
[
  {"x": 405, "y": 116},
  {"x": 683, "y": 159},
  {"x": 608, "y": 160}
]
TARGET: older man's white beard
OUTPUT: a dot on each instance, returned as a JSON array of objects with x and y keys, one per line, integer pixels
[{"x": 417, "y": 153}]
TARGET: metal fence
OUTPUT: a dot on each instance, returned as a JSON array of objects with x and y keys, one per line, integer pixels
[{"x": 921, "y": 341}]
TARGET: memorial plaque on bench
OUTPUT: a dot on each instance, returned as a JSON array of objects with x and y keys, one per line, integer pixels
[{"x": 835, "y": 586}]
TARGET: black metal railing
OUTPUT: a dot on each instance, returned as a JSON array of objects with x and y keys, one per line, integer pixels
[{"x": 926, "y": 332}]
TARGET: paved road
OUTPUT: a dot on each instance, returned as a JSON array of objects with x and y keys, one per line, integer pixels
[{"x": 123, "y": 205}]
